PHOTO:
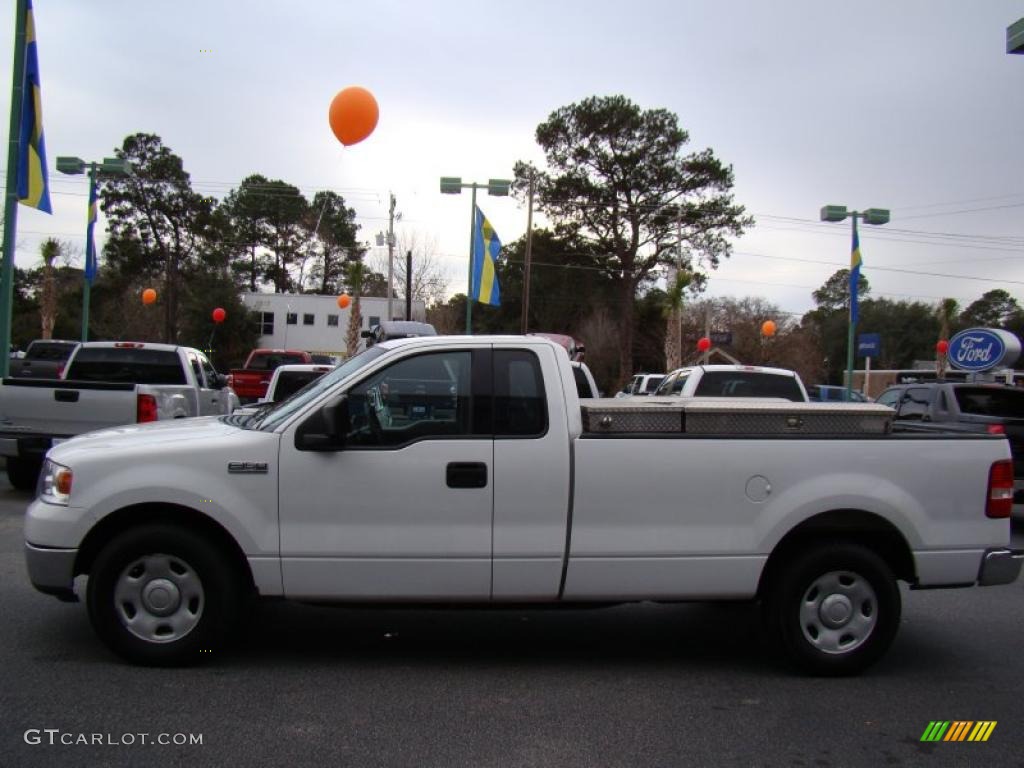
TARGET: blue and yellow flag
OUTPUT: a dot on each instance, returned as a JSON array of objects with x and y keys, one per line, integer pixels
[
  {"x": 855, "y": 262},
  {"x": 90, "y": 243},
  {"x": 33, "y": 184},
  {"x": 486, "y": 249}
]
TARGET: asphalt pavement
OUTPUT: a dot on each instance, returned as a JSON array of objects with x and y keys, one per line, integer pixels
[{"x": 644, "y": 685}]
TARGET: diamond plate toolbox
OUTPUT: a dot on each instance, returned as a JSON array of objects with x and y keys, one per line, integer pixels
[
  {"x": 735, "y": 416},
  {"x": 752, "y": 417},
  {"x": 609, "y": 415}
]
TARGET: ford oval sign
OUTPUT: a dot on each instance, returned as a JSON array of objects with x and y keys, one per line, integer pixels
[{"x": 982, "y": 349}]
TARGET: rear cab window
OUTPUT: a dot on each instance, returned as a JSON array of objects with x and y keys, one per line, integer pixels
[
  {"x": 520, "y": 403},
  {"x": 272, "y": 360},
  {"x": 127, "y": 365},
  {"x": 49, "y": 351}
]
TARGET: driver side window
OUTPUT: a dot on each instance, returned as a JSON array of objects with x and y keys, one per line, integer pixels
[{"x": 426, "y": 396}]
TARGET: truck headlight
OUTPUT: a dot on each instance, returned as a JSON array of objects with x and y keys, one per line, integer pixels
[{"x": 55, "y": 483}]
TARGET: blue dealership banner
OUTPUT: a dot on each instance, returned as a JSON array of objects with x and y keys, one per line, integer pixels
[{"x": 869, "y": 344}]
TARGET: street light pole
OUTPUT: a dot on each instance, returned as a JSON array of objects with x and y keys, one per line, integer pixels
[
  {"x": 391, "y": 257},
  {"x": 529, "y": 251},
  {"x": 453, "y": 185},
  {"x": 111, "y": 166},
  {"x": 90, "y": 254},
  {"x": 875, "y": 216}
]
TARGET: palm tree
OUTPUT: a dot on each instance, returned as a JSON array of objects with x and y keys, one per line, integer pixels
[
  {"x": 947, "y": 312},
  {"x": 50, "y": 250},
  {"x": 678, "y": 283},
  {"x": 355, "y": 275}
]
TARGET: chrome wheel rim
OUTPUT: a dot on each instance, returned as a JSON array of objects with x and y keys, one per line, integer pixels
[
  {"x": 159, "y": 598},
  {"x": 838, "y": 612}
]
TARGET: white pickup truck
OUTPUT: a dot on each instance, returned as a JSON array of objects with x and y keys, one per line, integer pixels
[
  {"x": 732, "y": 381},
  {"x": 459, "y": 470},
  {"x": 104, "y": 384}
]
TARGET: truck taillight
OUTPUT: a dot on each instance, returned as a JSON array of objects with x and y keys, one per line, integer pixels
[
  {"x": 146, "y": 409},
  {"x": 1000, "y": 489},
  {"x": 996, "y": 429}
]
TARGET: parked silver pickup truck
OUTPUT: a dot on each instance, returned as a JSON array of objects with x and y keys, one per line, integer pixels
[
  {"x": 106, "y": 384},
  {"x": 452, "y": 469}
]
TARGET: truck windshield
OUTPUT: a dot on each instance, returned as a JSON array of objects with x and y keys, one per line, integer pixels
[
  {"x": 268, "y": 419},
  {"x": 673, "y": 383},
  {"x": 748, "y": 384},
  {"x": 652, "y": 385}
]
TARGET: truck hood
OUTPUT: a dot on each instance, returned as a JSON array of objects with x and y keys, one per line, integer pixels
[{"x": 159, "y": 435}]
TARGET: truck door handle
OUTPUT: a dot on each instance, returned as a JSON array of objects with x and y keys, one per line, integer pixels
[
  {"x": 65, "y": 395},
  {"x": 466, "y": 474}
]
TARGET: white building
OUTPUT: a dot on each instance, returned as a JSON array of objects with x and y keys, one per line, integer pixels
[{"x": 316, "y": 323}]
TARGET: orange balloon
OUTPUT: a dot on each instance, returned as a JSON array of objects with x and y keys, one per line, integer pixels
[
  {"x": 768, "y": 328},
  {"x": 148, "y": 296},
  {"x": 344, "y": 300},
  {"x": 353, "y": 115}
]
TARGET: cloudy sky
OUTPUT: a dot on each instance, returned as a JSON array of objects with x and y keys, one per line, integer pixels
[{"x": 900, "y": 104}]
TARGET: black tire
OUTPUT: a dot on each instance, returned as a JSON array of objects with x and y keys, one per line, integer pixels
[
  {"x": 834, "y": 609},
  {"x": 131, "y": 595},
  {"x": 23, "y": 473}
]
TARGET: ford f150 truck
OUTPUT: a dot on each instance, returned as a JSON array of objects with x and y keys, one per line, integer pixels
[
  {"x": 466, "y": 470},
  {"x": 107, "y": 384},
  {"x": 250, "y": 382}
]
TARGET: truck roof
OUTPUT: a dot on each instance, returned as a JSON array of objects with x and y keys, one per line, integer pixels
[
  {"x": 752, "y": 368},
  {"x": 434, "y": 341},
  {"x": 160, "y": 347}
]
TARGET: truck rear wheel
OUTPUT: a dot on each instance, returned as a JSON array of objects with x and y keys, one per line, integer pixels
[
  {"x": 833, "y": 610},
  {"x": 22, "y": 473},
  {"x": 160, "y": 595}
]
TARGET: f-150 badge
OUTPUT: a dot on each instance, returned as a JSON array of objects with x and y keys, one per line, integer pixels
[{"x": 247, "y": 468}]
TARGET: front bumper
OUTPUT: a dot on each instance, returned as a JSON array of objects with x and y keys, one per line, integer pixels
[
  {"x": 52, "y": 571},
  {"x": 1000, "y": 566}
]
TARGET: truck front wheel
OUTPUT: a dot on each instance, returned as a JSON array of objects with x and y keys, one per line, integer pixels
[
  {"x": 160, "y": 595},
  {"x": 23, "y": 473},
  {"x": 834, "y": 609}
]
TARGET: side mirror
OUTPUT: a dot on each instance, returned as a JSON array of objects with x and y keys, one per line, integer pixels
[
  {"x": 220, "y": 381},
  {"x": 325, "y": 430}
]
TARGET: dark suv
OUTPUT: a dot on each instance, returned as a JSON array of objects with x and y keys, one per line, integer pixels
[{"x": 963, "y": 407}]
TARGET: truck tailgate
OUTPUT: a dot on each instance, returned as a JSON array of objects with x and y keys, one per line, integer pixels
[
  {"x": 250, "y": 383},
  {"x": 64, "y": 407}
]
